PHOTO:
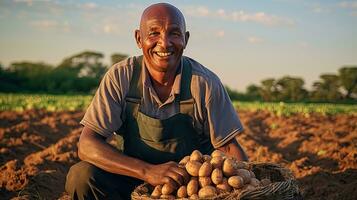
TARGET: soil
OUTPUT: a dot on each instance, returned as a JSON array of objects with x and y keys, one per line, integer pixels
[{"x": 38, "y": 147}]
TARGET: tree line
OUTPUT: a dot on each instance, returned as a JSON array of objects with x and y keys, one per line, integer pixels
[
  {"x": 81, "y": 73},
  {"x": 339, "y": 87}
]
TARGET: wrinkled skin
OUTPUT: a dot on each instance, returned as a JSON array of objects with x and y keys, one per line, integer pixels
[{"x": 162, "y": 37}]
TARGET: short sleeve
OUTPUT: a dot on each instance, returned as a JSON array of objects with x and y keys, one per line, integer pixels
[
  {"x": 104, "y": 112},
  {"x": 223, "y": 121}
]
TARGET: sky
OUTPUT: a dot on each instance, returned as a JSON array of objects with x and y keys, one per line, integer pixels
[{"x": 243, "y": 42}]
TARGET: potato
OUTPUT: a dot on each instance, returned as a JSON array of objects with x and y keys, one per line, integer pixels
[
  {"x": 217, "y": 162},
  {"x": 217, "y": 176},
  {"x": 217, "y": 153},
  {"x": 156, "y": 193},
  {"x": 167, "y": 188},
  {"x": 252, "y": 175},
  {"x": 184, "y": 160},
  {"x": 206, "y": 158},
  {"x": 182, "y": 192},
  {"x": 205, "y": 169},
  {"x": 245, "y": 174},
  {"x": 207, "y": 191},
  {"x": 254, "y": 182},
  {"x": 224, "y": 186},
  {"x": 192, "y": 167},
  {"x": 265, "y": 182},
  {"x": 204, "y": 181},
  {"x": 194, "y": 196},
  {"x": 229, "y": 167},
  {"x": 196, "y": 156},
  {"x": 236, "y": 181},
  {"x": 192, "y": 187},
  {"x": 242, "y": 165},
  {"x": 167, "y": 196}
]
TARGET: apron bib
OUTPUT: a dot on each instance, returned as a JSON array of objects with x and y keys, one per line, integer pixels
[{"x": 158, "y": 141}]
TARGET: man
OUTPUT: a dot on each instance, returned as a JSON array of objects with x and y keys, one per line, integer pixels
[{"x": 163, "y": 104}]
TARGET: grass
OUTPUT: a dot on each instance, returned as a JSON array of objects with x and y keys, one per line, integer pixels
[{"x": 21, "y": 102}]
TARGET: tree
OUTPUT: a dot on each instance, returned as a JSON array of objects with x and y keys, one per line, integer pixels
[
  {"x": 327, "y": 89},
  {"x": 291, "y": 89},
  {"x": 348, "y": 79},
  {"x": 117, "y": 57},
  {"x": 85, "y": 64},
  {"x": 78, "y": 73},
  {"x": 268, "y": 90},
  {"x": 9, "y": 82},
  {"x": 31, "y": 76},
  {"x": 252, "y": 92}
]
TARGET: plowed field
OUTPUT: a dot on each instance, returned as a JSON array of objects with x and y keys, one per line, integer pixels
[{"x": 38, "y": 147}]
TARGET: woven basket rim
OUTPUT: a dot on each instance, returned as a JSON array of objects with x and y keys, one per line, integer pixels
[{"x": 286, "y": 173}]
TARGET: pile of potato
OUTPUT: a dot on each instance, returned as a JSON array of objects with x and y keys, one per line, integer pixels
[{"x": 210, "y": 175}]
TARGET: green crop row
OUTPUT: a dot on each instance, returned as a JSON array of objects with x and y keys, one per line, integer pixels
[
  {"x": 286, "y": 109},
  {"x": 21, "y": 102}
]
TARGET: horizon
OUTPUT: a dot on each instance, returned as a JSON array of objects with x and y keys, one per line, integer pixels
[{"x": 242, "y": 42}]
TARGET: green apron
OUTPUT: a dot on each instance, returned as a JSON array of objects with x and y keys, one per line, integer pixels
[{"x": 158, "y": 141}]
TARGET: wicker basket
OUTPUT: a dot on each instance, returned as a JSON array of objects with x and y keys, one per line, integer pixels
[{"x": 283, "y": 186}]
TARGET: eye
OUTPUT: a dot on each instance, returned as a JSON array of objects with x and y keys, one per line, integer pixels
[
  {"x": 153, "y": 33},
  {"x": 176, "y": 33}
]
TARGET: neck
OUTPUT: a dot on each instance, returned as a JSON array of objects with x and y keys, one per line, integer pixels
[
  {"x": 162, "y": 82},
  {"x": 162, "y": 78}
]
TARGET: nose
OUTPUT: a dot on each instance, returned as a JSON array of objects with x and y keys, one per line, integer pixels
[{"x": 165, "y": 41}]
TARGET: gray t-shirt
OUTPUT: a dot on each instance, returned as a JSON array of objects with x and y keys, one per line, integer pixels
[{"x": 214, "y": 113}]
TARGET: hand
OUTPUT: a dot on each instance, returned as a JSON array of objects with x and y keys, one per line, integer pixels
[{"x": 169, "y": 172}]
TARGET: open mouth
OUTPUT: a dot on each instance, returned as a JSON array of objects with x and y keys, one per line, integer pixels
[{"x": 164, "y": 54}]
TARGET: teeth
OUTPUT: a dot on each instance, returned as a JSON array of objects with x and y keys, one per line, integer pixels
[{"x": 163, "y": 54}]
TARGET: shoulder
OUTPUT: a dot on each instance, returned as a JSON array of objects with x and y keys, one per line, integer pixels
[
  {"x": 202, "y": 75},
  {"x": 119, "y": 75},
  {"x": 205, "y": 84},
  {"x": 122, "y": 69}
]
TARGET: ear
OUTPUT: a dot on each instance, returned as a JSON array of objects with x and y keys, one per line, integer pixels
[
  {"x": 138, "y": 39},
  {"x": 187, "y": 36}
]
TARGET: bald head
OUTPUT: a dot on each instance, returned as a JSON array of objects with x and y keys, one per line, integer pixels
[
  {"x": 162, "y": 11},
  {"x": 162, "y": 37}
]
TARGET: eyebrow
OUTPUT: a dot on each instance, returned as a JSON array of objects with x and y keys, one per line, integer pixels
[{"x": 157, "y": 26}]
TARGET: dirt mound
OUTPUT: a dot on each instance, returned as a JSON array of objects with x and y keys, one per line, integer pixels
[{"x": 38, "y": 147}]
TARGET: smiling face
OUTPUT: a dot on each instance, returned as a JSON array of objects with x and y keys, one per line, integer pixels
[{"x": 162, "y": 37}]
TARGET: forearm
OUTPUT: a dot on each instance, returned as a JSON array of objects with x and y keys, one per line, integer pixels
[
  {"x": 233, "y": 149},
  {"x": 94, "y": 149}
]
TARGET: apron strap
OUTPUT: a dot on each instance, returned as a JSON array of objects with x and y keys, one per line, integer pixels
[
  {"x": 185, "y": 90},
  {"x": 136, "y": 84}
]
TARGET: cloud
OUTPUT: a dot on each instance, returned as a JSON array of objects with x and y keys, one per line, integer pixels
[
  {"x": 44, "y": 23},
  {"x": 254, "y": 40},
  {"x": 199, "y": 11},
  {"x": 51, "y": 25},
  {"x": 109, "y": 26},
  {"x": 303, "y": 44},
  {"x": 28, "y": 2},
  {"x": 111, "y": 29},
  {"x": 262, "y": 18},
  {"x": 317, "y": 8},
  {"x": 220, "y": 33},
  {"x": 89, "y": 5},
  {"x": 348, "y": 4},
  {"x": 240, "y": 16}
]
